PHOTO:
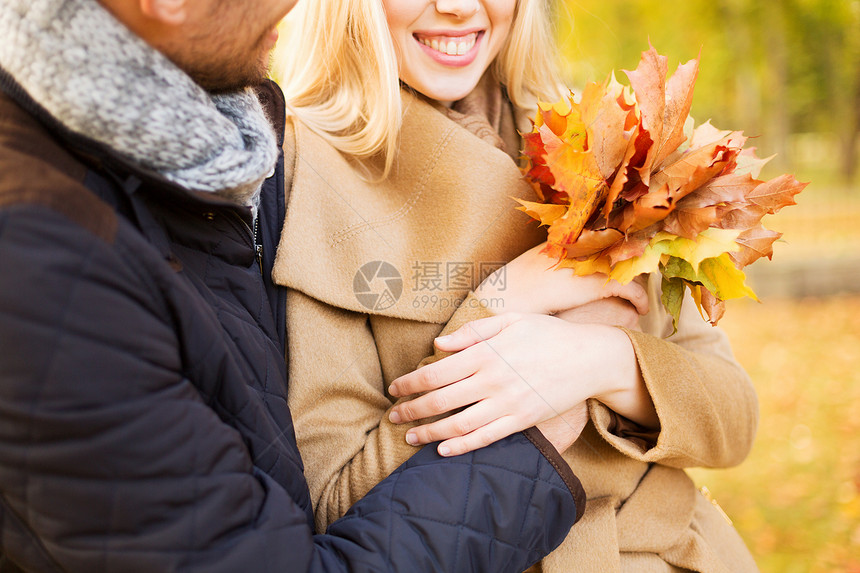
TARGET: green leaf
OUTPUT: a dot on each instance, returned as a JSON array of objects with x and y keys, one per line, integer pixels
[
  {"x": 677, "y": 267},
  {"x": 717, "y": 274},
  {"x": 672, "y": 297}
]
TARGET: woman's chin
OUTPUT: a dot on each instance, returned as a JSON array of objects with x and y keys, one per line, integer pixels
[{"x": 447, "y": 95}]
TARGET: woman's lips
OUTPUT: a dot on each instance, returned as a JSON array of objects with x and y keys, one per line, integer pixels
[{"x": 451, "y": 50}]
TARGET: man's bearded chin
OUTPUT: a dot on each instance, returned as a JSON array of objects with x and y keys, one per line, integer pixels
[
  {"x": 230, "y": 78},
  {"x": 225, "y": 74},
  {"x": 224, "y": 82}
]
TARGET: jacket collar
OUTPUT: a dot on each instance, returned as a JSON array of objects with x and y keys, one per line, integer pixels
[{"x": 129, "y": 174}]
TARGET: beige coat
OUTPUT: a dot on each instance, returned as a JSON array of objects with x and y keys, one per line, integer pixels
[{"x": 446, "y": 208}]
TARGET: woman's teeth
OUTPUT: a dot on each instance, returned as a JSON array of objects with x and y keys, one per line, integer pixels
[{"x": 451, "y": 46}]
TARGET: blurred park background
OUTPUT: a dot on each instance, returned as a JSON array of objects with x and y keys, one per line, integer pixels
[{"x": 788, "y": 73}]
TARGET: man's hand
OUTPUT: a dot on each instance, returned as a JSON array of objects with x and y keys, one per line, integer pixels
[{"x": 562, "y": 431}]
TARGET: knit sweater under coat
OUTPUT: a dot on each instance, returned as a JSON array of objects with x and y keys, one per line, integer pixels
[
  {"x": 143, "y": 415},
  {"x": 447, "y": 206}
]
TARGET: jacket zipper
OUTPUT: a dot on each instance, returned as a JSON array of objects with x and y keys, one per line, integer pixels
[
  {"x": 258, "y": 247},
  {"x": 254, "y": 235}
]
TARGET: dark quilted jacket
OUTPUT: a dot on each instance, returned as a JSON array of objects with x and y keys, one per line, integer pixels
[{"x": 143, "y": 420}]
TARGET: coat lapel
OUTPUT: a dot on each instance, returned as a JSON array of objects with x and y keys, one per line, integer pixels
[{"x": 420, "y": 239}]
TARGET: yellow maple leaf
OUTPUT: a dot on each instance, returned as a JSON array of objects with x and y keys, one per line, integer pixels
[
  {"x": 696, "y": 293},
  {"x": 728, "y": 281},
  {"x": 589, "y": 266},
  {"x": 563, "y": 118},
  {"x": 628, "y": 269},
  {"x": 711, "y": 242},
  {"x": 546, "y": 213}
]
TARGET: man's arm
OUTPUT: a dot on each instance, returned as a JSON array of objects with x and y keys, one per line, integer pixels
[
  {"x": 111, "y": 460},
  {"x": 339, "y": 406}
]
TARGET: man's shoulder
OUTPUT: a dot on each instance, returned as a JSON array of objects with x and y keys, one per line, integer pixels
[
  {"x": 37, "y": 170},
  {"x": 272, "y": 99}
]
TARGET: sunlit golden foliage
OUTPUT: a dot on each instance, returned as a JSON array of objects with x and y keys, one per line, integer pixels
[{"x": 796, "y": 499}]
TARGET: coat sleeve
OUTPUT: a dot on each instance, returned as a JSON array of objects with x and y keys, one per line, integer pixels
[
  {"x": 111, "y": 461},
  {"x": 340, "y": 407},
  {"x": 705, "y": 401}
]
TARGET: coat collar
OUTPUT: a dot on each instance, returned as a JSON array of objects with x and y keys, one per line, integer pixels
[{"x": 413, "y": 245}]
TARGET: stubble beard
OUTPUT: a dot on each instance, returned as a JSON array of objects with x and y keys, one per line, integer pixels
[
  {"x": 235, "y": 77},
  {"x": 222, "y": 68}
]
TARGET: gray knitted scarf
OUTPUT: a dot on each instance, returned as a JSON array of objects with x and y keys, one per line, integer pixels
[{"x": 102, "y": 81}]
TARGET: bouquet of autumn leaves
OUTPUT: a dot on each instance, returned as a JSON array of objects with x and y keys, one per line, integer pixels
[{"x": 628, "y": 186}]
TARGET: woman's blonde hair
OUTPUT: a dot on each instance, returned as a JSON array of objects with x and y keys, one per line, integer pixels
[{"x": 338, "y": 69}]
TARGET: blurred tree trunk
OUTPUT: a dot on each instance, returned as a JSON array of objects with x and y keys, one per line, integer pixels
[
  {"x": 769, "y": 67},
  {"x": 777, "y": 116},
  {"x": 850, "y": 134},
  {"x": 746, "y": 101}
]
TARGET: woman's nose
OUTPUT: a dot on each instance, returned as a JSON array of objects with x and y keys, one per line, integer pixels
[{"x": 458, "y": 8}]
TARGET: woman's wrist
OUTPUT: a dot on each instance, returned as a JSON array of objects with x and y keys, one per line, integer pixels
[
  {"x": 623, "y": 388},
  {"x": 505, "y": 298}
]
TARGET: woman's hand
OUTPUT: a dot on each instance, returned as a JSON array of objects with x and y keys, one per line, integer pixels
[
  {"x": 511, "y": 372},
  {"x": 531, "y": 283},
  {"x": 614, "y": 311}
]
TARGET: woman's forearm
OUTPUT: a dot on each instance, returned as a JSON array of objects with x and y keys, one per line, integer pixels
[{"x": 625, "y": 392}]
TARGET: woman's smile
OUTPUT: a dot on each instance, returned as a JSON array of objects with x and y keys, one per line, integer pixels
[
  {"x": 444, "y": 47},
  {"x": 450, "y": 49}
]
